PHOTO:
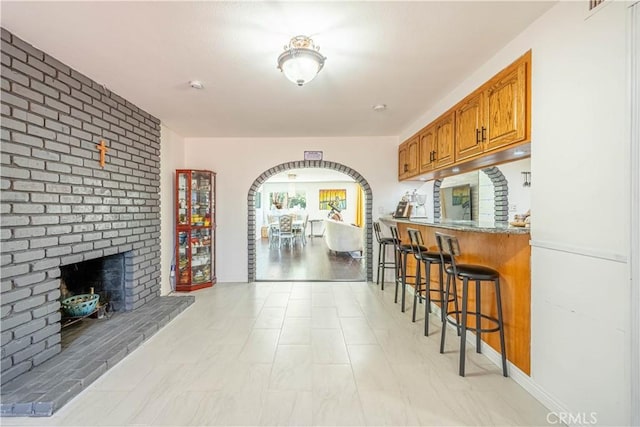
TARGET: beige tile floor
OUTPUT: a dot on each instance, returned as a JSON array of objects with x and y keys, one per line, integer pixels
[{"x": 297, "y": 354}]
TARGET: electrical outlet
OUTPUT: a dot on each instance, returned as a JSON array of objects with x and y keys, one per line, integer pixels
[
  {"x": 513, "y": 208},
  {"x": 380, "y": 210}
]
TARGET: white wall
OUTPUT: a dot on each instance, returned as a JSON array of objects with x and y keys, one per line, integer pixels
[
  {"x": 240, "y": 161},
  {"x": 580, "y": 343},
  {"x": 486, "y": 199},
  {"x": 171, "y": 158},
  {"x": 519, "y": 196},
  {"x": 579, "y": 201}
]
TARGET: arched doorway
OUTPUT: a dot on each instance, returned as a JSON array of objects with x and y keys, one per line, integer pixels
[{"x": 300, "y": 164}]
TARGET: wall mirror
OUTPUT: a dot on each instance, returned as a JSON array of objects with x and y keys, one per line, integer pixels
[{"x": 459, "y": 197}]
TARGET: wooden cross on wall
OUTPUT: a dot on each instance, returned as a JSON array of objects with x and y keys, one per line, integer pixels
[{"x": 103, "y": 151}]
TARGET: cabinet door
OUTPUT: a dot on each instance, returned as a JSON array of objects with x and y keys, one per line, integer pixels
[
  {"x": 183, "y": 275},
  {"x": 469, "y": 122},
  {"x": 444, "y": 140},
  {"x": 506, "y": 98},
  {"x": 201, "y": 199},
  {"x": 182, "y": 205},
  {"x": 427, "y": 149},
  {"x": 413, "y": 156},
  {"x": 200, "y": 256},
  {"x": 403, "y": 167}
]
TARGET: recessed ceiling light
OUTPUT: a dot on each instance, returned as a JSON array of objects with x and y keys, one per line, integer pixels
[
  {"x": 379, "y": 107},
  {"x": 196, "y": 84}
]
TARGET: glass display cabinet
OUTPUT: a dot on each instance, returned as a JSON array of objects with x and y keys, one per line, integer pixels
[{"x": 195, "y": 229}]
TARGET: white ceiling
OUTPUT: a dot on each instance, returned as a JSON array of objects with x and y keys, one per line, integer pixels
[{"x": 403, "y": 54}]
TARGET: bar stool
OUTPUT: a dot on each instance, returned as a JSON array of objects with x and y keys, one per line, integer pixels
[
  {"x": 448, "y": 245},
  {"x": 402, "y": 252},
  {"x": 428, "y": 258},
  {"x": 383, "y": 244}
]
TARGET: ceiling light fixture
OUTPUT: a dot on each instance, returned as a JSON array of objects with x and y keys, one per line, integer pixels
[
  {"x": 301, "y": 62},
  {"x": 196, "y": 84}
]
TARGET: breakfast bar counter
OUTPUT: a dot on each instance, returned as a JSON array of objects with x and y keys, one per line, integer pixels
[
  {"x": 461, "y": 225},
  {"x": 503, "y": 248}
]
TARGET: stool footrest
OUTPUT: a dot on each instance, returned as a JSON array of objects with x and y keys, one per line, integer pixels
[
  {"x": 438, "y": 300},
  {"x": 472, "y": 315}
]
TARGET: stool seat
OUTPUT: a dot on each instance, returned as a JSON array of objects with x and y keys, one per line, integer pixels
[
  {"x": 409, "y": 249},
  {"x": 433, "y": 257},
  {"x": 475, "y": 272}
]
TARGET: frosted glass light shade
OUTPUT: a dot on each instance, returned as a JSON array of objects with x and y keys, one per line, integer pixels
[{"x": 300, "y": 63}]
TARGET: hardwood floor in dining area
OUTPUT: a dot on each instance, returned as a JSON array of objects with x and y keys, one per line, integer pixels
[{"x": 311, "y": 262}]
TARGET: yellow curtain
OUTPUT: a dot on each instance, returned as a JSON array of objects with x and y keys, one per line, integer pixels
[{"x": 360, "y": 207}]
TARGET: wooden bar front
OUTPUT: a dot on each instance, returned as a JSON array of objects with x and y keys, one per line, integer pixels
[{"x": 510, "y": 254}]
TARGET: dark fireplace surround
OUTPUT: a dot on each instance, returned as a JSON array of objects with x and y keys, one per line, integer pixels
[
  {"x": 59, "y": 206},
  {"x": 103, "y": 276}
]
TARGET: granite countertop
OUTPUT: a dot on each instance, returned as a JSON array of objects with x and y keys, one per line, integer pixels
[{"x": 475, "y": 226}]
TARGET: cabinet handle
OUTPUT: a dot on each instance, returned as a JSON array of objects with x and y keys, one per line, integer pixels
[
  {"x": 406, "y": 167},
  {"x": 484, "y": 134},
  {"x": 434, "y": 155},
  {"x": 477, "y": 136}
]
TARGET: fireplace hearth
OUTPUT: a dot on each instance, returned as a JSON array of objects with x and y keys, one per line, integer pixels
[{"x": 91, "y": 348}]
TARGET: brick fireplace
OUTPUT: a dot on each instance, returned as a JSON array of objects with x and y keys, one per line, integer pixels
[{"x": 59, "y": 206}]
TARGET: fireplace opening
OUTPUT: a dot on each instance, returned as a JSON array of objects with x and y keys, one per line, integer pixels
[{"x": 102, "y": 276}]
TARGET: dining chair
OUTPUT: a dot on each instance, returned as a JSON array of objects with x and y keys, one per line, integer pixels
[
  {"x": 286, "y": 230},
  {"x": 274, "y": 230},
  {"x": 300, "y": 228}
]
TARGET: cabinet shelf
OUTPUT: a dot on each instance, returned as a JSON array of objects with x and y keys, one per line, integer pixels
[{"x": 195, "y": 230}]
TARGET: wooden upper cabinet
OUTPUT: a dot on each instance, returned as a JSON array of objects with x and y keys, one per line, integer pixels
[
  {"x": 495, "y": 115},
  {"x": 409, "y": 158},
  {"x": 402, "y": 160},
  {"x": 436, "y": 143},
  {"x": 506, "y": 105},
  {"x": 479, "y": 130},
  {"x": 469, "y": 122},
  {"x": 444, "y": 134},
  {"x": 427, "y": 149},
  {"x": 413, "y": 156}
]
